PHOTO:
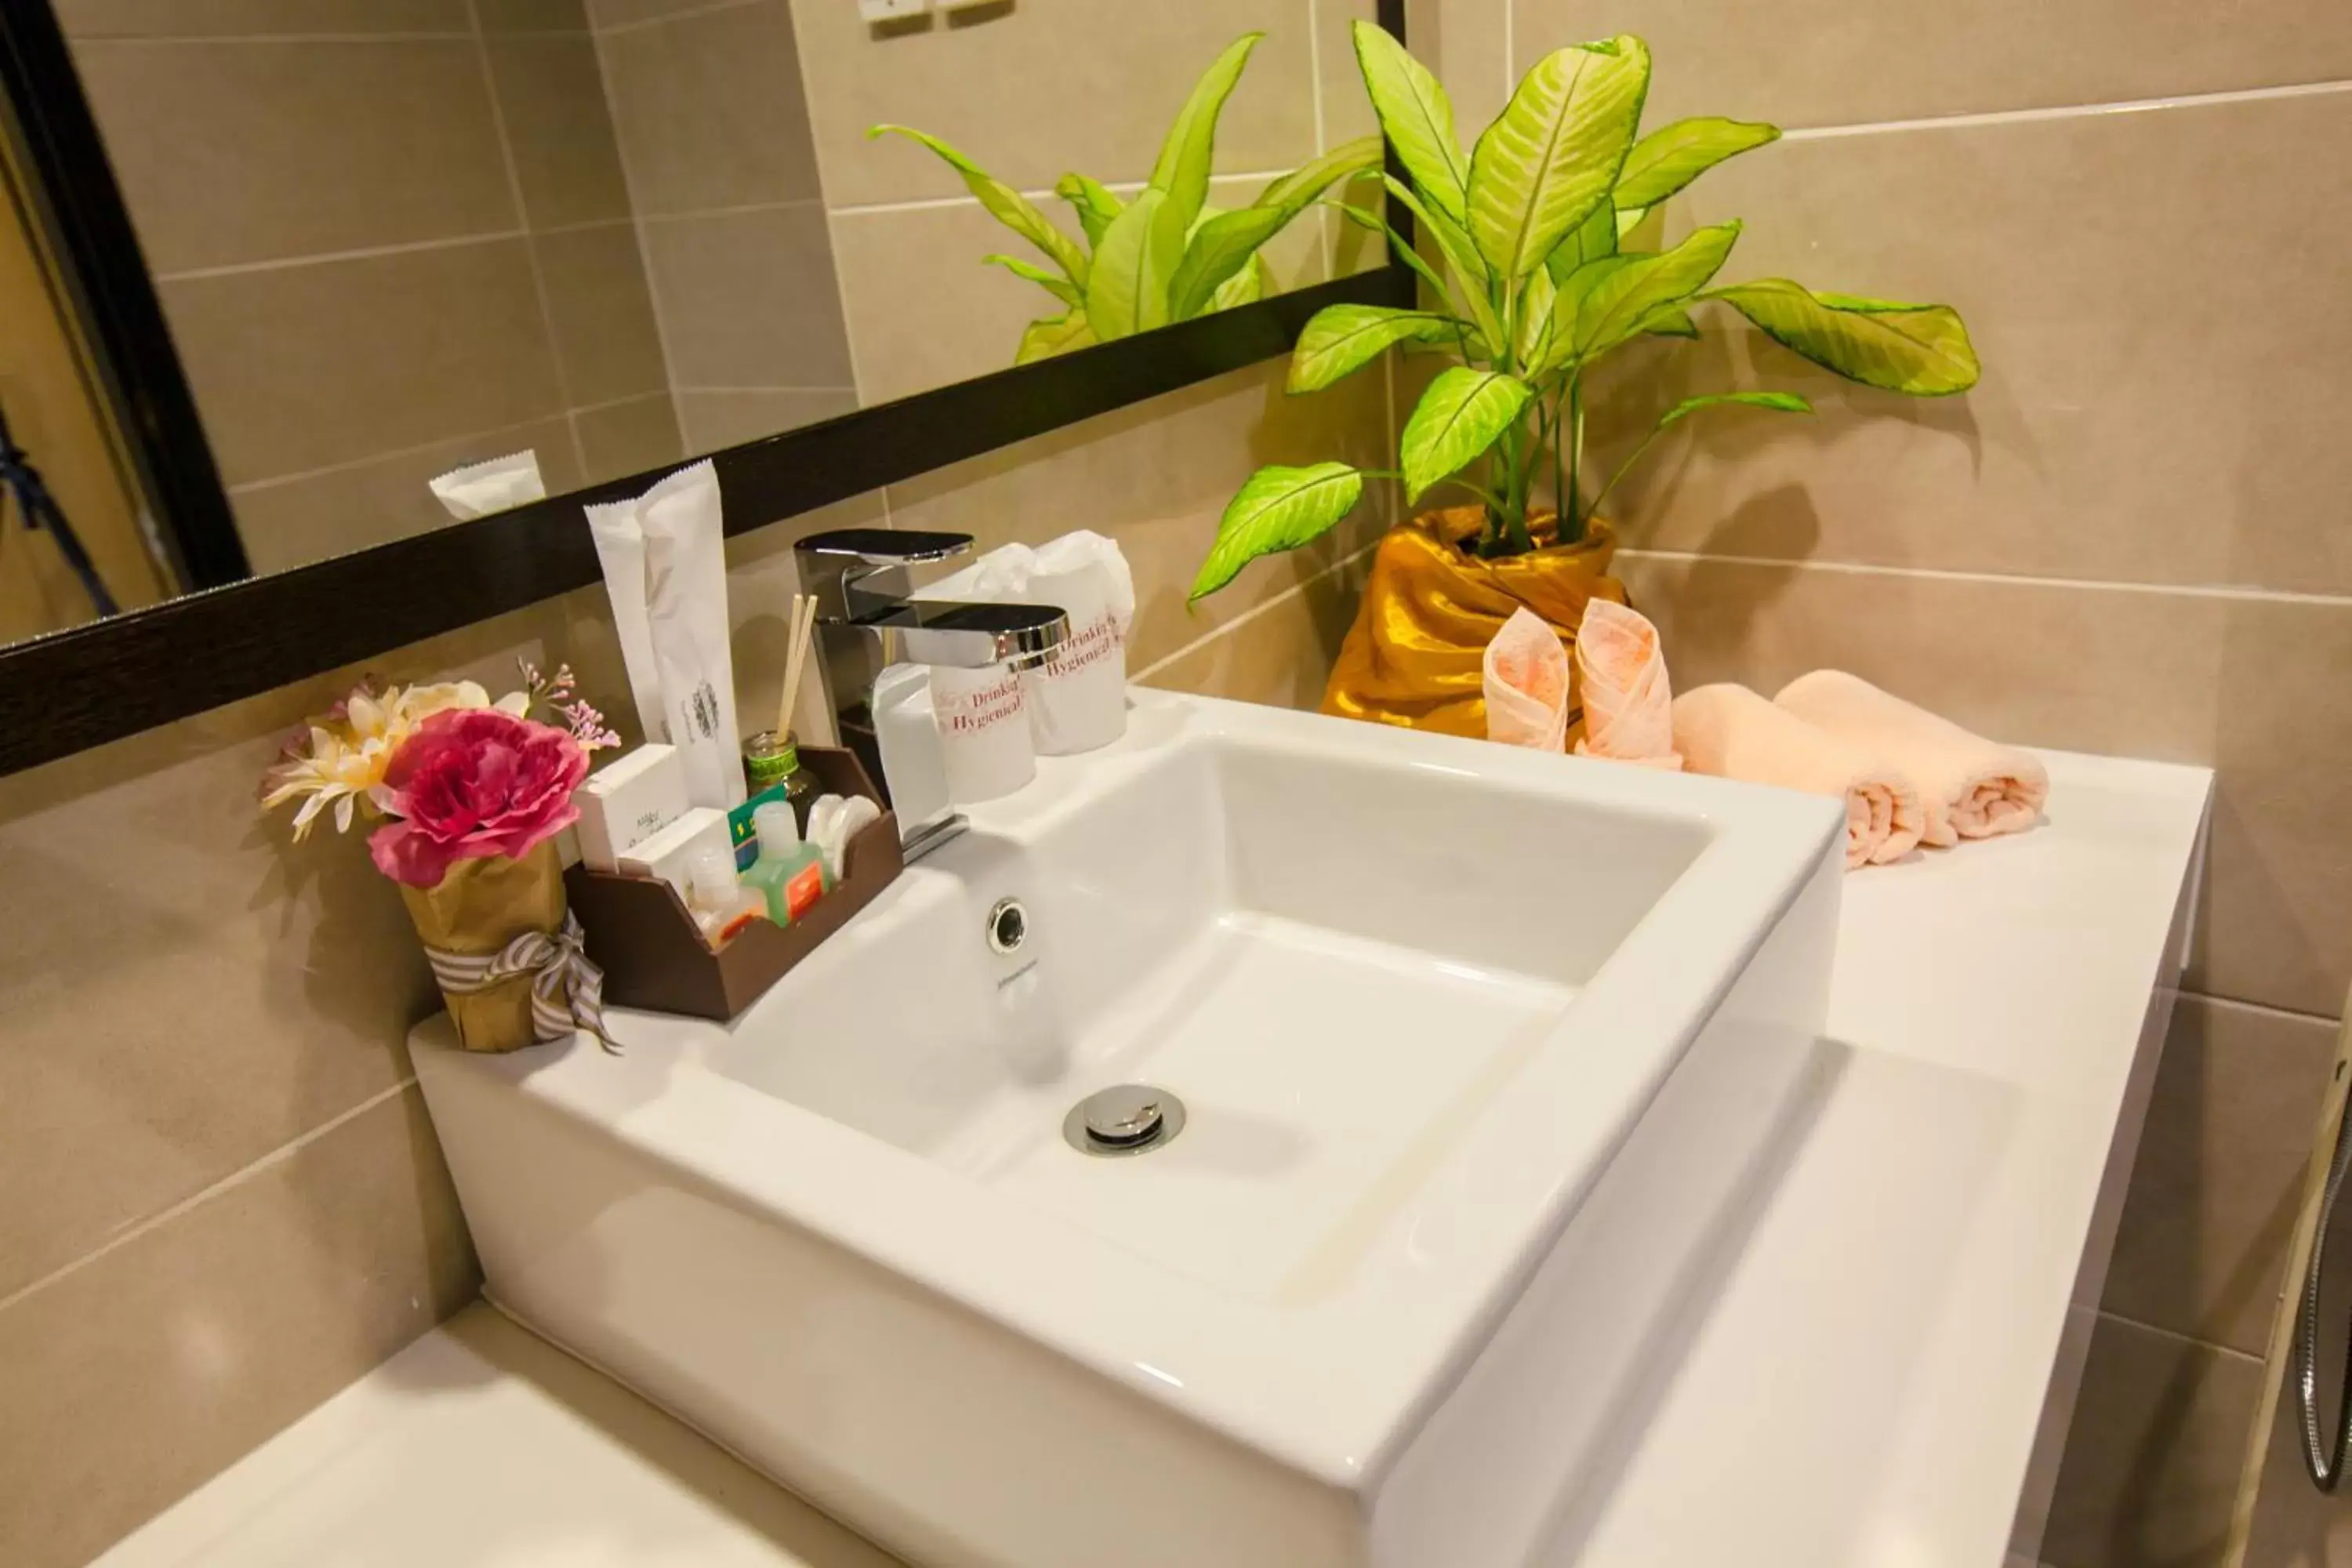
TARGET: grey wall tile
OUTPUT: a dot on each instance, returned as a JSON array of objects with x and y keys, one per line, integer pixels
[
  {"x": 135, "y": 1378},
  {"x": 234, "y": 153},
  {"x": 2152, "y": 1466},
  {"x": 2117, "y": 433},
  {"x": 2219, "y": 1176},
  {"x": 1116, "y": 76},
  {"x": 749, "y": 299},
  {"x": 1827, "y": 62},
  {"x": 532, "y": 15},
  {"x": 716, "y": 420},
  {"x": 291, "y": 523},
  {"x": 551, "y": 98},
  {"x": 709, "y": 111},
  {"x": 602, "y": 311},
  {"x": 1280, "y": 658},
  {"x": 214, "y": 19},
  {"x": 304, "y": 367},
  {"x": 624, "y": 438}
]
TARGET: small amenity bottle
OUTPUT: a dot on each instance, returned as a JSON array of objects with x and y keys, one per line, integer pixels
[
  {"x": 721, "y": 906},
  {"x": 789, "y": 873}
]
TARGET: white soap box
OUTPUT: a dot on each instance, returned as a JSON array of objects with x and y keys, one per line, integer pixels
[
  {"x": 672, "y": 852},
  {"x": 627, "y": 802}
]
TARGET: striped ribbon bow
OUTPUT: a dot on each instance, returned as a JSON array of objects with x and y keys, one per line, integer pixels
[{"x": 567, "y": 992}]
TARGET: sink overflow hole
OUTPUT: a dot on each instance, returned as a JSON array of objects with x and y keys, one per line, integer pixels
[{"x": 1127, "y": 1119}]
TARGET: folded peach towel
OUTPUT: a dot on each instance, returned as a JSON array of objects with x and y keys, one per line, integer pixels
[
  {"x": 1731, "y": 731},
  {"x": 1970, "y": 786},
  {"x": 1526, "y": 679},
  {"x": 1629, "y": 707}
]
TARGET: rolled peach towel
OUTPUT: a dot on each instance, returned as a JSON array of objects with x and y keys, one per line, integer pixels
[
  {"x": 1730, "y": 731},
  {"x": 1971, "y": 787},
  {"x": 1629, "y": 707},
  {"x": 1526, "y": 681}
]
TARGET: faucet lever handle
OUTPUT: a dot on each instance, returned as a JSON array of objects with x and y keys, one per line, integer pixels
[
  {"x": 853, "y": 571},
  {"x": 883, "y": 546}
]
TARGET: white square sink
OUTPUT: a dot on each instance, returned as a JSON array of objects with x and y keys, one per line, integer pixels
[{"x": 1413, "y": 995}]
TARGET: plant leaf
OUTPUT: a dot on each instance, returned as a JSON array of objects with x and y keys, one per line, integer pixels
[
  {"x": 1460, "y": 416},
  {"x": 1278, "y": 509},
  {"x": 1249, "y": 285},
  {"x": 1554, "y": 153},
  {"x": 1055, "y": 335},
  {"x": 1404, "y": 252},
  {"x": 1182, "y": 174},
  {"x": 1672, "y": 156},
  {"x": 1922, "y": 349},
  {"x": 1618, "y": 305},
  {"x": 1453, "y": 242},
  {"x": 1093, "y": 200},
  {"x": 1785, "y": 402},
  {"x": 1677, "y": 323},
  {"x": 1219, "y": 247},
  {"x": 1005, "y": 205},
  {"x": 1342, "y": 338},
  {"x": 1128, "y": 292},
  {"x": 1595, "y": 238},
  {"x": 1538, "y": 326},
  {"x": 1418, "y": 117},
  {"x": 1309, "y": 180},
  {"x": 1062, "y": 288}
]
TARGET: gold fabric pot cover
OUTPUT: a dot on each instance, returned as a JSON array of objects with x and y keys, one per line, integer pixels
[
  {"x": 1415, "y": 655},
  {"x": 479, "y": 906}
]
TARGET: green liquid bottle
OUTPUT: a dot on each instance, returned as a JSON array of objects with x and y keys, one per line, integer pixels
[{"x": 789, "y": 874}]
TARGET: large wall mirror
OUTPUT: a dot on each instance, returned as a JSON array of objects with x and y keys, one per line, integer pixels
[{"x": 376, "y": 240}]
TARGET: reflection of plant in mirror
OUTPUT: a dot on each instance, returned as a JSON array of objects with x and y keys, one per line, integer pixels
[
  {"x": 1166, "y": 256},
  {"x": 1534, "y": 289}
]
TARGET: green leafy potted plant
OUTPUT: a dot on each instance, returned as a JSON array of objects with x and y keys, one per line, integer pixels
[
  {"x": 1533, "y": 284},
  {"x": 1166, "y": 255}
]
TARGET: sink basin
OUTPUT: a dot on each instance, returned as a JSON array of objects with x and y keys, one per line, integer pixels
[{"x": 1474, "y": 1050}]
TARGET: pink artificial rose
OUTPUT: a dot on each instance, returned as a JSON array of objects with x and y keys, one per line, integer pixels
[{"x": 470, "y": 782}]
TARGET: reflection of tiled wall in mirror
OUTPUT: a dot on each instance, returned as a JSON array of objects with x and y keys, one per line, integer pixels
[
  {"x": 1033, "y": 89},
  {"x": 391, "y": 236}
]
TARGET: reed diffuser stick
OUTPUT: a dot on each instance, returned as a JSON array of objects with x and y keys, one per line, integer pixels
[{"x": 803, "y": 626}]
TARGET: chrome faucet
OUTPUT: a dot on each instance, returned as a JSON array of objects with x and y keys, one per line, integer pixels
[{"x": 858, "y": 576}]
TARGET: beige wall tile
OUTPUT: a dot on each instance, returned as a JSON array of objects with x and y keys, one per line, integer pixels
[
  {"x": 532, "y": 15},
  {"x": 135, "y": 1378},
  {"x": 1464, "y": 41},
  {"x": 2219, "y": 1176},
  {"x": 184, "y": 989},
  {"x": 291, "y": 523},
  {"x": 1828, "y": 62},
  {"x": 1346, "y": 110},
  {"x": 2294, "y": 1524},
  {"x": 2248, "y": 685},
  {"x": 749, "y": 299},
  {"x": 198, "y": 18},
  {"x": 1116, "y": 76},
  {"x": 606, "y": 341},
  {"x": 709, "y": 109},
  {"x": 924, "y": 311},
  {"x": 1156, "y": 477},
  {"x": 234, "y": 153},
  {"x": 1280, "y": 656},
  {"x": 552, "y": 99},
  {"x": 628, "y": 13},
  {"x": 2152, "y": 1463},
  {"x": 716, "y": 420},
  {"x": 304, "y": 367},
  {"x": 2117, "y": 434},
  {"x": 625, "y": 438}
]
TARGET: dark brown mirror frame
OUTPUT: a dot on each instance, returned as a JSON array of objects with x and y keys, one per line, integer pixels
[{"x": 235, "y": 638}]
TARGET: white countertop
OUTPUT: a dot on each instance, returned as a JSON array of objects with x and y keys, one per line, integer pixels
[{"x": 1857, "y": 1379}]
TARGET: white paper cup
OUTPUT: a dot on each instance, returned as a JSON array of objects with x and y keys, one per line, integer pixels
[
  {"x": 983, "y": 723},
  {"x": 1078, "y": 698}
]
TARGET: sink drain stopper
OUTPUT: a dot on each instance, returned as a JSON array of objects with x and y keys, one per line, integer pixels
[{"x": 1127, "y": 1119}]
